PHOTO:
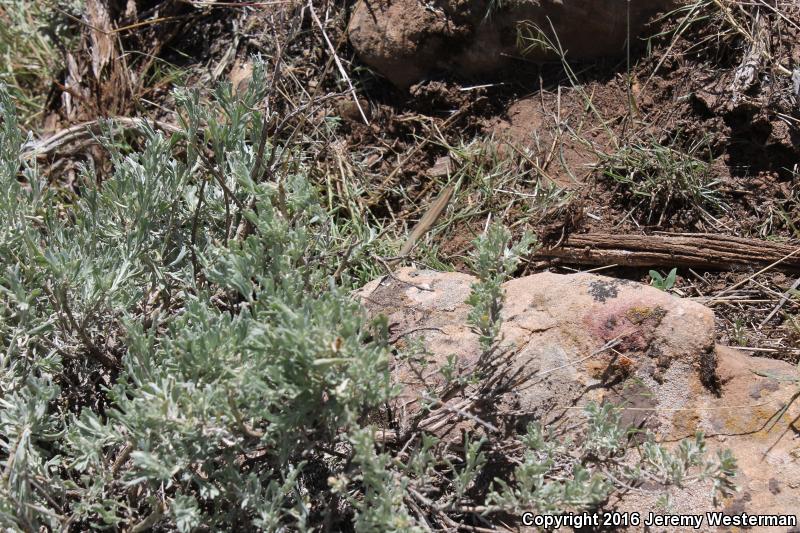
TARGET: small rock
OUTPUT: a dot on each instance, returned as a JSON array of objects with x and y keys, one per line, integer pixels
[
  {"x": 240, "y": 76},
  {"x": 441, "y": 167}
]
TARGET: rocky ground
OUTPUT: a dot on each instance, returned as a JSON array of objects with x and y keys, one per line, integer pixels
[
  {"x": 577, "y": 338},
  {"x": 574, "y": 119},
  {"x": 721, "y": 92}
]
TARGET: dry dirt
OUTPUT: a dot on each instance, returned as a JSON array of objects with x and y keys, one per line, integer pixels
[
  {"x": 686, "y": 87},
  {"x": 683, "y": 87}
]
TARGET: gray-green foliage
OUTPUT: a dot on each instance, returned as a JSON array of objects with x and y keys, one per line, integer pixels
[
  {"x": 382, "y": 506},
  {"x": 689, "y": 461},
  {"x": 576, "y": 489},
  {"x": 558, "y": 474},
  {"x": 218, "y": 363},
  {"x": 179, "y": 349},
  {"x": 494, "y": 261}
]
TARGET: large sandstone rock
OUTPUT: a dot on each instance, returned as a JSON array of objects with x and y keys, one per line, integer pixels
[
  {"x": 743, "y": 419},
  {"x": 664, "y": 367},
  {"x": 406, "y": 40},
  {"x": 552, "y": 325}
]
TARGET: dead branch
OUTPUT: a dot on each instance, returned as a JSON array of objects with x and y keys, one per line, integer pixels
[{"x": 701, "y": 250}]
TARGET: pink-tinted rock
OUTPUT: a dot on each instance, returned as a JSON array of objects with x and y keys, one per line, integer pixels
[
  {"x": 552, "y": 324},
  {"x": 664, "y": 368}
]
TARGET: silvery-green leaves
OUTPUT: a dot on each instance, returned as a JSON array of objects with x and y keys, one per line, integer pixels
[{"x": 494, "y": 260}]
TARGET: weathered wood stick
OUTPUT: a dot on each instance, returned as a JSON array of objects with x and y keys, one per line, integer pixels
[{"x": 701, "y": 250}]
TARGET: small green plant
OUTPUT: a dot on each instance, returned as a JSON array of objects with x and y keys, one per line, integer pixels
[
  {"x": 659, "y": 180},
  {"x": 739, "y": 336},
  {"x": 492, "y": 8},
  {"x": 663, "y": 283},
  {"x": 782, "y": 214},
  {"x": 491, "y": 175},
  {"x": 494, "y": 260},
  {"x": 538, "y": 489},
  {"x": 557, "y": 474},
  {"x": 687, "y": 463}
]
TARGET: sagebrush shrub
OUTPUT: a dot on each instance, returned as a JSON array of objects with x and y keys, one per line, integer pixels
[
  {"x": 180, "y": 350},
  {"x": 218, "y": 364}
]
